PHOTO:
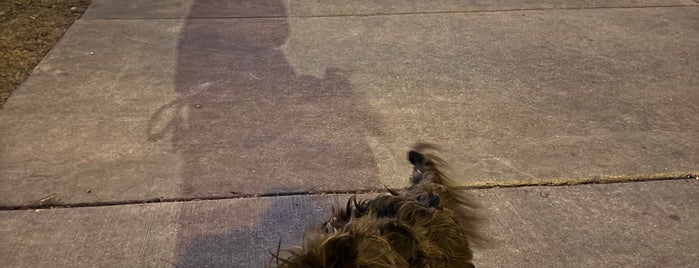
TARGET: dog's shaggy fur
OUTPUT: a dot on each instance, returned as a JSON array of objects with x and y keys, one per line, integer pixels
[{"x": 430, "y": 224}]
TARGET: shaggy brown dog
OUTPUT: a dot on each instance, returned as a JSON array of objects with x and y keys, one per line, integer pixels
[{"x": 428, "y": 225}]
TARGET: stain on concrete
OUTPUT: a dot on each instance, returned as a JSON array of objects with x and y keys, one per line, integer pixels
[{"x": 674, "y": 217}]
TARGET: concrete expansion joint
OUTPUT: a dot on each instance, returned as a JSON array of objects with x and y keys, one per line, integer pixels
[
  {"x": 396, "y": 13},
  {"x": 469, "y": 186},
  {"x": 58, "y": 205},
  {"x": 581, "y": 181}
]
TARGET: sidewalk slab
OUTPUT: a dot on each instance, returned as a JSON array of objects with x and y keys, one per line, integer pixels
[
  {"x": 145, "y": 109},
  {"x": 135, "y": 9},
  {"x": 77, "y": 126},
  {"x": 643, "y": 224}
]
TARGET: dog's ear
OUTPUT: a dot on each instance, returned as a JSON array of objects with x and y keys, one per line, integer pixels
[
  {"x": 340, "y": 252},
  {"x": 416, "y": 158}
]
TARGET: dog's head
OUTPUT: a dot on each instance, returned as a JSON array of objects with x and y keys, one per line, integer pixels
[
  {"x": 427, "y": 225},
  {"x": 361, "y": 243}
]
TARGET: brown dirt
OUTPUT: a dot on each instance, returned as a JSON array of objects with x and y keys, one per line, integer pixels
[{"x": 28, "y": 30}]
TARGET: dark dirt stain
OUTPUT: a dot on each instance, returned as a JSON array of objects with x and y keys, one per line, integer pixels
[{"x": 674, "y": 217}]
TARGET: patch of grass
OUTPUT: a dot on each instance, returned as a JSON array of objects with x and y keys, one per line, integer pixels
[{"x": 28, "y": 30}]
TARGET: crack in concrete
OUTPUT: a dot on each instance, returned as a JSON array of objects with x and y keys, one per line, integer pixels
[{"x": 468, "y": 186}]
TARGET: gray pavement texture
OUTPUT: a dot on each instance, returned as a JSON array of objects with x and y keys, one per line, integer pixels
[
  {"x": 179, "y": 100},
  {"x": 643, "y": 224}
]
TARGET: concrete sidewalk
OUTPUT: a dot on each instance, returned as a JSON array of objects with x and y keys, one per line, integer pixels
[
  {"x": 180, "y": 100},
  {"x": 644, "y": 224}
]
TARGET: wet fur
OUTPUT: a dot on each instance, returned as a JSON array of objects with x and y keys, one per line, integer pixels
[{"x": 430, "y": 224}]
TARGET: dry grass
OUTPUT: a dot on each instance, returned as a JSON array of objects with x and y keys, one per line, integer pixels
[{"x": 28, "y": 30}]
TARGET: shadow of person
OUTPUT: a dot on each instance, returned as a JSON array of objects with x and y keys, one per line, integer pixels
[
  {"x": 246, "y": 123},
  {"x": 253, "y": 238}
]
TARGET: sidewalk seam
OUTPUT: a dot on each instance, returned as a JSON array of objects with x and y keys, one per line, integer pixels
[
  {"x": 392, "y": 14},
  {"x": 580, "y": 181},
  {"x": 470, "y": 186}
]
